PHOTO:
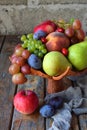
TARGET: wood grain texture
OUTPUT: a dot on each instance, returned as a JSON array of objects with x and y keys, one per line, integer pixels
[
  {"x": 83, "y": 122},
  {"x": 11, "y": 42},
  {"x": 33, "y": 121},
  {"x": 74, "y": 123},
  {"x": 7, "y": 89}
]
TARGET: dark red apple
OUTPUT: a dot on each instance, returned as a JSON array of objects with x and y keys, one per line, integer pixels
[
  {"x": 26, "y": 101},
  {"x": 46, "y": 26}
]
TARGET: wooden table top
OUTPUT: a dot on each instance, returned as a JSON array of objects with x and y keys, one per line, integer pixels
[{"x": 10, "y": 119}]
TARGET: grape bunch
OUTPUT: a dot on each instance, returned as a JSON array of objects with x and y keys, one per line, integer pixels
[
  {"x": 73, "y": 30},
  {"x": 34, "y": 46},
  {"x": 22, "y": 60},
  {"x": 19, "y": 66}
]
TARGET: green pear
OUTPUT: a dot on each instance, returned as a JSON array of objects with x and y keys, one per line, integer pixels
[
  {"x": 78, "y": 55},
  {"x": 55, "y": 63}
]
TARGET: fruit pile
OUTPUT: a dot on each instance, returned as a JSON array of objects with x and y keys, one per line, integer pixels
[{"x": 51, "y": 48}]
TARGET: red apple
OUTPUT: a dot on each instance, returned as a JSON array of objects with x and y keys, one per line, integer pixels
[
  {"x": 47, "y": 26},
  {"x": 56, "y": 41},
  {"x": 26, "y": 101}
]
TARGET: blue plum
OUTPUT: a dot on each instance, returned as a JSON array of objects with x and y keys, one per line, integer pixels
[
  {"x": 39, "y": 34},
  {"x": 47, "y": 111},
  {"x": 34, "y": 61},
  {"x": 56, "y": 102}
]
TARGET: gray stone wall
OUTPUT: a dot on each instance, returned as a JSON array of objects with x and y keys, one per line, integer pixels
[{"x": 20, "y": 16}]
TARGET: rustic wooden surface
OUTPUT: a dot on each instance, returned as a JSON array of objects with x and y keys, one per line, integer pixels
[{"x": 10, "y": 119}]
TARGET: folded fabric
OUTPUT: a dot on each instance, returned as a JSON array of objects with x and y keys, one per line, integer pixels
[
  {"x": 75, "y": 99},
  {"x": 62, "y": 119}
]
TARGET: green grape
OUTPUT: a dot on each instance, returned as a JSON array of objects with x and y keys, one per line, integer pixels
[
  {"x": 30, "y": 36},
  {"x": 37, "y": 46},
  {"x": 44, "y": 51},
  {"x": 23, "y": 38},
  {"x": 29, "y": 42},
  {"x": 29, "y": 48},
  {"x": 26, "y": 41},
  {"x": 39, "y": 42},
  {"x": 40, "y": 54},
  {"x": 36, "y": 52},
  {"x": 41, "y": 47},
  {"x": 35, "y": 41},
  {"x": 24, "y": 45},
  {"x": 32, "y": 43},
  {"x": 34, "y": 46}
]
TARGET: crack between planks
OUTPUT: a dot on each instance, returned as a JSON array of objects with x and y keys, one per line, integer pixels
[
  {"x": 45, "y": 93},
  {"x": 12, "y": 112},
  {"x": 2, "y": 43},
  {"x": 78, "y": 123}
]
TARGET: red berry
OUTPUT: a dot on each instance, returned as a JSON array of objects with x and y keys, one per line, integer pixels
[
  {"x": 59, "y": 29},
  {"x": 43, "y": 39},
  {"x": 64, "y": 51}
]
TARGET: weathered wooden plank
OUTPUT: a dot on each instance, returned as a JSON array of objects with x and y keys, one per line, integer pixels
[
  {"x": 33, "y": 121},
  {"x": 74, "y": 123},
  {"x": 11, "y": 42},
  {"x": 7, "y": 89},
  {"x": 83, "y": 122}
]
